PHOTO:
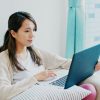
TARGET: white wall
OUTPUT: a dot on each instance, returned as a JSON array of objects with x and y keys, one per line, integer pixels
[{"x": 50, "y": 16}]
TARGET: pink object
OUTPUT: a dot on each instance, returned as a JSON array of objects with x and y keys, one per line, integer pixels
[{"x": 90, "y": 87}]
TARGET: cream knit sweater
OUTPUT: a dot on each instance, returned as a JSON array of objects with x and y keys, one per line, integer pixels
[{"x": 8, "y": 89}]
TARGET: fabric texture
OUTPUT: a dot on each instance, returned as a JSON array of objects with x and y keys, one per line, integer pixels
[{"x": 47, "y": 92}]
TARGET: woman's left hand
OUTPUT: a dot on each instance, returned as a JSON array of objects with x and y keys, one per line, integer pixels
[{"x": 97, "y": 67}]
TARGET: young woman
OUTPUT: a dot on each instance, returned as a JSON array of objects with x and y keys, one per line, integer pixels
[{"x": 22, "y": 65}]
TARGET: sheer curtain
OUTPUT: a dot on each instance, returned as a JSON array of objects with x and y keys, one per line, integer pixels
[{"x": 75, "y": 27}]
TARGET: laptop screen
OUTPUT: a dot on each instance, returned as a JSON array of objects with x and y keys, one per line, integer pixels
[{"x": 82, "y": 66}]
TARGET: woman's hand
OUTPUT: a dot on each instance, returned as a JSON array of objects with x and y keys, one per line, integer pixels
[
  {"x": 44, "y": 75},
  {"x": 97, "y": 67}
]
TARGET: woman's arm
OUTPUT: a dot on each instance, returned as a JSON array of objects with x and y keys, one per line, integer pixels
[
  {"x": 7, "y": 90},
  {"x": 52, "y": 61}
]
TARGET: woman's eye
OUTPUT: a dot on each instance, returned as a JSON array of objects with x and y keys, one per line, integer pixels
[{"x": 27, "y": 31}]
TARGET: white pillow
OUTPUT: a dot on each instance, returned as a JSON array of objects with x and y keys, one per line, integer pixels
[{"x": 48, "y": 92}]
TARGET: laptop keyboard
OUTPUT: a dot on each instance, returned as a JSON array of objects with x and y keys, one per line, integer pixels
[{"x": 60, "y": 82}]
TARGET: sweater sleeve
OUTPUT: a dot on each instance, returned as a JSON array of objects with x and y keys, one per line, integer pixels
[
  {"x": 7, "y": 90},
  {"x": 52, "y": 61}
]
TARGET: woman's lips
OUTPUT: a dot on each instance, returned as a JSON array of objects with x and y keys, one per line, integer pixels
[{"x": 29, "y": 40}]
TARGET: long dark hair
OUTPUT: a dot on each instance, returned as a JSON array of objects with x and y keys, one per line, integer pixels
[{"x": 14, "y": 23}]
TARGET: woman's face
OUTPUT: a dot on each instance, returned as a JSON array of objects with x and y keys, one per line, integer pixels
[{"x": 25, "y": 35}]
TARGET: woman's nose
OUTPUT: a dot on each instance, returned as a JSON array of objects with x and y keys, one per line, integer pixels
[{"x": 32, "y": 34}]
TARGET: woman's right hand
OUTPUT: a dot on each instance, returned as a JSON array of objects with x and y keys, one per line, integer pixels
[{"x": 44, "y": 75}]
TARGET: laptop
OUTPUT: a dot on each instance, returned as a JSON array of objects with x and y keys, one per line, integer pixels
[{"x": 82, "y": 66}]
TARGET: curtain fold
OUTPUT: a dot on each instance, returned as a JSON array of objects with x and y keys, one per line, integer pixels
[{"x": 75, "y": 28}]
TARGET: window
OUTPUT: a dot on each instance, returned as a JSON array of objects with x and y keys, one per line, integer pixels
[{"x": 92, "y": 22}]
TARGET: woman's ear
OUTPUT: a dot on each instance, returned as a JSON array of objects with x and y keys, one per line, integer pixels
[{"x": 13, "y": 33}]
